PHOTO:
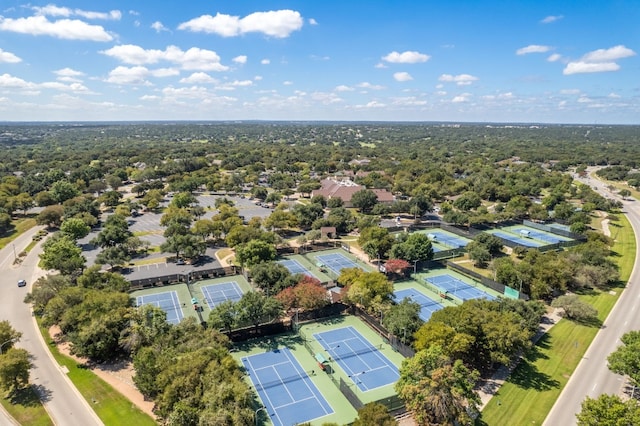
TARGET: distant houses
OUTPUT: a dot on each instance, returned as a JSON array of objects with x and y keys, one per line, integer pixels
[{"x": 345, "y": 188}]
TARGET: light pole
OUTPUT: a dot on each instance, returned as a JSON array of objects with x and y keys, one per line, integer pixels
[
  {"x": 8, "y": 341},
  {"x": 255, "y": 415}
]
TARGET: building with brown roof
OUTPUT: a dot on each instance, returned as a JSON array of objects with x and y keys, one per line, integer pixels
[{"x": 345, "y": 188}]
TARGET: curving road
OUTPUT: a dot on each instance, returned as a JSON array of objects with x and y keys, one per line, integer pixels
[
  {"x": 61, "y": 399},
  {"x": 592, "y": 376}
]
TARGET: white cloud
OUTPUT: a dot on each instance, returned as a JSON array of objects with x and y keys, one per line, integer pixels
[
  {"x": 584, "y": 99},
  {"x": 608, "y": 55},
  {"x": 613, "y": 96},
  {"x": 275, "y": 23},
  {"x": 53, "y": 10},
  {"x": 198, "y": 78},
  {"x": 9, "y": 81},
  {"x": 257, "y": 78},
  {"x": 192, "y": 59},
  {"x": 232, "y": 85},
  {"x": 265, "y": 61},
  {"x": 601, "y": 60},
  {"x": 460, "y": 79},
  {"x": 551, "y": 18},
  {"x": 67, "y": 29},
  {"x": 159, "y": 27},
  {"x": 343, "y": 88},
  {"x": 409, "y": 101},
  {"x": 8, "y": 57},
  {"x": 126, "y": 75},
  {"x": 73, "y": 87},
  {"x": 533, "y": 48},
  {"x": 464, "y": 97},
  {"x": 367, "y": 85},
  {"x": 380, "y": 65},
  {"x": 408, "y": 57},
  {"x": 241, "y": 59},
  {"x": 554, "y": 57},
  {"x": 287, "y": 83},
  {"x": 570, "y": 91},
  {"x": 312, "y": 21},
  {"x": 587, "y": 67},
  {"x": 402, "y": 76},
  {"x": 164, "y": 72},
  {"x": 68, "y": 72}
]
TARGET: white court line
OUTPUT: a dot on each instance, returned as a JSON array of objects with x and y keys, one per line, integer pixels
[
  {"x": 266, "y": 394},
  {"x": 307, "y": 384}
]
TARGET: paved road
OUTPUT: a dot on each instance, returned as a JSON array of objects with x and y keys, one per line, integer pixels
[
  {"x": 61, "y": 399},
  {"x": 592, "y": 377}
]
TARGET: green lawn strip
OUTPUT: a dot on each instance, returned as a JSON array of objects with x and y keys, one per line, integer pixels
[
  {"x": 110, "y": 406},
  {"x": 26, "y": 408},
  {"x": 19, "y": 226},
  {"x": 529, "y": 393}
]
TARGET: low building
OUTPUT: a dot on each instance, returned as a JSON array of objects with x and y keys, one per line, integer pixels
[{"x": 345, "y": 188}]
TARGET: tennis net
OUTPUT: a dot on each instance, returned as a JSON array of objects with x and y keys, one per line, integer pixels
[
  {"x": 281, "y": 381},
  {"x": 355, "y": 353}
]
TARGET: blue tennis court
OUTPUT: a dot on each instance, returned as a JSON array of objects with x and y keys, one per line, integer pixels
[
  {"x": 427, "y": 305},
  {"x": 539, "y": 235},
  {"x": 458, "y": 288},
  {"x": 295, "y": 267},
  {"x": 364, "y": 363},
  {"x": 336, "y": 262},
  {"x": 215, "y": 294},
  {"x": 167, "y": 301},
  {"x": 447, "y": 239},
  {"x": 527, "y": 242},
  {"x": 287, "y": 392}
]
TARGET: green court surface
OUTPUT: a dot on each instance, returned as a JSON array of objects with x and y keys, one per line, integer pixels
[
  {"x": 186, "y": 293},
  {"x": 313, "y": 257},
  {"x": 431, "y": 294},
  {"x": 420, "y": 278},
  {"x": 344, "y": 412},
  {"x": 184, "y": 296}
]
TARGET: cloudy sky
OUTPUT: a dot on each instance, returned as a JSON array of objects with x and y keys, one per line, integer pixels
[{"x": 499, "y": 61}]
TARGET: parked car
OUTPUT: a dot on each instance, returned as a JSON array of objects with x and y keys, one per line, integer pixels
[{"x": 22, "y": 283}]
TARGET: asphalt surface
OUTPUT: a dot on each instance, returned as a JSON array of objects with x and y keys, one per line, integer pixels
[
  {"x": 592, "y": 377},
  {"x": 61, "y": 399}
]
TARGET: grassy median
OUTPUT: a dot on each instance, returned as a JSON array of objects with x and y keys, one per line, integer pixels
[{"x": 528, "y": 395}]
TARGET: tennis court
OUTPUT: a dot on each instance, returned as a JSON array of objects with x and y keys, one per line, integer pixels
[
  {"x": 427, "y": 305},
  {"x": 336, "y": 262},
  {"x": 167, "y": 301},
  {"x": 215, "y": 294},
  {"x": 295, "y": 267},
  {"x": 527, "y": 242},
  {"x": 547, "y": 237},
  {"x": 287, "y": 392},
  {"x": 447, "y": 239},
  {"x": 458, "y": 288},
  {"x": 363, "y": 362}
]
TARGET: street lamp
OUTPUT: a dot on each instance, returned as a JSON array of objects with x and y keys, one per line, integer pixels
[
  {"x": 8, "y": 341},
  {"x": 255, "y": 415}
]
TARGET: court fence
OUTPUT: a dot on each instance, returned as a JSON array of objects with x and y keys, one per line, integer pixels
[
  {"x": 394, "y": 341},
  {"x": 262, "y": 330},
  {"x": 350, "y": 394},
  {"x": 554, "y": 230},
  {"x": 500, "y": 288}
]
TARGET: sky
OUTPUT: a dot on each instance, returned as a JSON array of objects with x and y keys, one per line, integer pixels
[{"x": 538, "y": 61}]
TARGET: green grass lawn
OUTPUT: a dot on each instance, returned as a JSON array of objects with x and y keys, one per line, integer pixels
[
  {"x": 532, "y": 389},
  {"x": 26, "y": 408},
  {"x": 110, "y": 405},
  {"x": 20, "y": 225}
]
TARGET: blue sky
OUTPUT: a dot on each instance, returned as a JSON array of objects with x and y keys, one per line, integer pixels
[{"x": 488, "y": 61}]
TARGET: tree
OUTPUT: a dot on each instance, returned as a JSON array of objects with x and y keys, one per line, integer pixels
[
  {"x": 51, "y": 216},
  {"x": 14, "y": 369},
  {"x": 416, "y": 248},
  {"x": 479, "y": 254},
  {"x": 75, "y": 228},
  {"x": 62, "y": 191},
  {"x": 624, "y": 193},
  {"x": 94, "y": 277},
  {"x": 403, "y": 319},
  {"x": 609, "y": 410},
  {"x": 113, "y": 256},
  {"x": 224, "y": 315},
  {"x": 61, "y": 253},
  {"x": 468, "y": 201},
  {"x": 626, "y": 358},
  {"x": 8, "y": 335},
  {"x": 307, "y": 294},
  {"x": 364, "y": 200},
  {"x": 44, "y": 289},
  {"x": 272, "y": 277},
  {"x": 574, "y": 308},
  {"x": 438, "y": 390},
  {"x": 375, "y": 241},
  {"x": 255, "y": 308},
  {"x": 255, "y": 252},
  {"x": 374, "y": 413},
  {"x": 370, "y": 289}
]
